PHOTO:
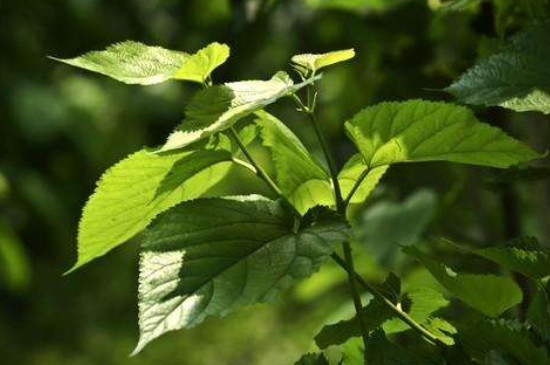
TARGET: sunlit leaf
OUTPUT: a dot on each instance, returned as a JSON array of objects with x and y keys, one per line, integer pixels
[
  {"x": 132, "y": 192},
  {"x": 315, "y": 62},
  {"x": 352, "y": 171},
  {"x": 136, "y": 63},
  {"x": 219, "y": 107},
  {"x": 211, "y": 256}
]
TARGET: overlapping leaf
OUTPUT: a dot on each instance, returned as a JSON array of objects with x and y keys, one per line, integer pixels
[
  {"x": 210, "y": 256},
  {"x": 352, "y": 171},
  {"x": 302, "y": 180},
  {"x": 136, "y": 63},
  {"x": 131, "y": 193},
  {"x": 524, "y": 255},
  {"x": 516, "y": 78},
  {"x": 490, "y": 294},
  {"x": 219, "y": 107},
  {"x": 506, "y": 336},
  {"x": 380, "y": 351}
]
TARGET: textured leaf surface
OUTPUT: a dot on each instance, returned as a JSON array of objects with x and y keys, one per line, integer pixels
[
  {"x": 516, "y": 78},
  {"x": 136, "y": 63},
  {"x": 315, "y": 62},
  {"x": 131, "y": 193},
  {"x": 505, "y": 336},
  {"x": 210, "y": 256},
  {"x": 303, "y": 181},
  {"x": 490, "y": 294},
  {"x": 219, "y": 107},
  {"x": 418, "y": 130},
  {"x": 351, "y": 173},
  {"x": 524, "y": 255}
]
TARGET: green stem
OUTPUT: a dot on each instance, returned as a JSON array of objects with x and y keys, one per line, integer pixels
[
  {"x": 355, "y": 187},
  {"x": 260, "y": 172},
  {"x": 398, "y": 312}
]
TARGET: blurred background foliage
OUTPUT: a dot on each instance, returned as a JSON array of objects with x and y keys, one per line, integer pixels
[{"x": 61, "y": 128}]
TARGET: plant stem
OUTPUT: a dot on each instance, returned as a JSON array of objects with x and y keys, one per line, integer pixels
[
  {"x": 356, "y": 186},
  {"x": 340, "y": 207},
  {"x": 398, "y": 312},
  {"x": 260, "y": 172}
]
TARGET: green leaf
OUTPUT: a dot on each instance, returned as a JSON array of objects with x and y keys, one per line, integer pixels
[
  {"x": 538, "y": 314},
  {"x": 441, "y": 329},
  {"x": 524, "y": 255},
  {"x": 15, "y": 266},
  {"x": 506, "y": 336},
  {"x": 315, "y": 62},
  {"x": 352, "y": 171},
  {"x": 132, "y": 192},
  {"x": 417, "y": 130},
  {"x": 136, "y": 63},
  {"x": 374, "y": 314},
  {"x": 458, "y": 5},
  {"x": 211, "y": 256},
  {"x": 356, "y": 6},
  {"x": 200, "y": 65},
  {"x": 312, "y": 359},
  {"x": 386, "y": 225},
  {"x": 492, "y": 295},
  {"x": 420, "y": 303},
  {"x": 516, "y": 78},
  {"x": 380, "y": 351},
  {"x": 219, "y": 107},
  {"x": 302, "y": 179}
]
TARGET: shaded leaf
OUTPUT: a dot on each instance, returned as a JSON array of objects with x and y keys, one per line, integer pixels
[
  {"x": 490, "y": 294},
  {"x": 132, "y": 192},
  {"x": 380, "y": 351},
  {"x": 538, "y": 314},
  {"x": 516, "y": 78},
  {"x": 524, "y": 255},
  {"x": 507, "y": 337},
  {"x": 211, "y": 256}
]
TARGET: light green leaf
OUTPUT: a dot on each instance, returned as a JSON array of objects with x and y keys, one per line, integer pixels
[
  {"x": 352, "y": 171},
  {"x": 458, "y": 5},
  {"x": 492, "y": 295},
  {"x": 136, "y": 63},
  {"x": 219, "y": 107},
  {"x": 199, "y": 66},
  {"x": 356, "y": 6},
  {"x": 15, "y": 266},
  {"x": 302, "y": 179},
  {"x": 516, "y": 78},
  {"x": 418, "y": 130},
  {"x": 374, "y": 314},
  {"x": 524, "y": 255},
  {"x": 315, "y": 62},
  {"x": 506, "y": 336},
  {"x": 132, "y": 192},
  {"x": 211, "y": 256}
]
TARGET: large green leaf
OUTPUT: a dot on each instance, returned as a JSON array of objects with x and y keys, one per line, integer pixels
[
  {"x": 538, "y": 315},
  {"x": 506, "y": 336},
  {"x": 419, "y": 130},
  {"x": 219, "y": 107},
  {"x": 136, "y": 63},
  {"x": 524, "y": 255},
  {"x": 210, "y": 256},
  {"x": 302, "y": 179},
  {"x": 314, "y": 62},
  {"x": 132, "y": 192},
  {"x": 490, "y": 294},
  {"x": 516, "y": 78}
]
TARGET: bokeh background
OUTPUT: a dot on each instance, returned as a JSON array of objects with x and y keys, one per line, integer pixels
[{"x": 60, "y": 128}]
